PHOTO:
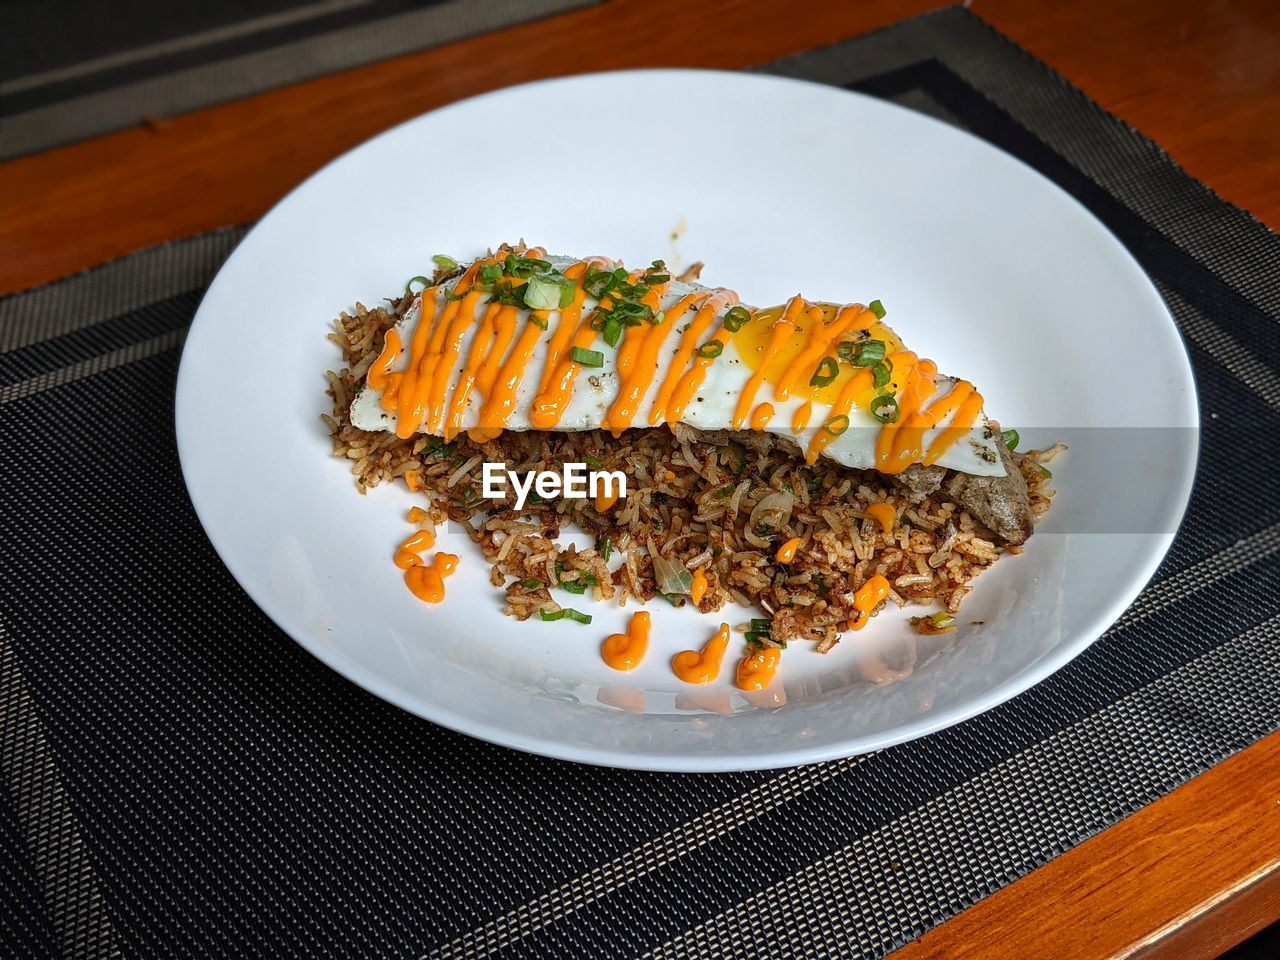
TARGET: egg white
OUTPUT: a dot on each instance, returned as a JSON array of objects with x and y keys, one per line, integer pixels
[{"x": 711, "y": 409}]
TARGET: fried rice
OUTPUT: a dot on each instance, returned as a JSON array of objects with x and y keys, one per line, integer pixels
[{"x": 691, "y": 503}]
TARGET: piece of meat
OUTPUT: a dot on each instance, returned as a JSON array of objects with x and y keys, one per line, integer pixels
[
  {"x": 1000, "y": 503},
  {"x": 920, "y": 481}
]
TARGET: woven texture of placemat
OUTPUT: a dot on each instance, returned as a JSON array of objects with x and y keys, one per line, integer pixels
[
  {"x": 71, "y": 71},
  {"x": 182, "y": 780}
]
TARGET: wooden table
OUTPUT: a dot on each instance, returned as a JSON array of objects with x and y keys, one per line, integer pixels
[{"x": 1189, "y": 876}]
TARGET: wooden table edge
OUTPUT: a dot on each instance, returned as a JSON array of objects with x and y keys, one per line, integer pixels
[{"x": 1185, "y": 877}]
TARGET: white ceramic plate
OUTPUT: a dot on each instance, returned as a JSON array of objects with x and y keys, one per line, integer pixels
[{"x": 778, "y": 186}]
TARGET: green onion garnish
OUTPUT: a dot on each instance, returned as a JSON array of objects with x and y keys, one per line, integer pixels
[
  {"x": 531, "y": 584},
  {"x": 408, "y": 287},
  {"x": 524, "y": 267},
  {"x": 826, "y": 374},
  {"x": 736, "y": 319},
  {"x": 566, "y": 612},
  {"x": 885, "y": 408},
  {"x": 490, "y": 272},
  {"x": 876, "y": 307},
  {"x": 836, "y": 425},
  {"x": 881, "y": 374},
  {"x": 574, "y": 586},
  {"x": 444, "y": 263},
  {"x": 761, "y": 624},
  {"x": 711, "y": 349},
  {"x": 543, "y": 293},
  {"x": 588, "y": 358},
  {"x": 1044, "y": 471},
  {"x": 1011, "y": 439},
  {"x": 612, "y": 331},
  {"x": 606, "y": 548},
  {"x": 591, "y": 461},
  {"x": 864, "y": 354}
]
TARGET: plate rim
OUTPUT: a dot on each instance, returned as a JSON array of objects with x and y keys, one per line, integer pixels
[{"x": 662, "y": 760}]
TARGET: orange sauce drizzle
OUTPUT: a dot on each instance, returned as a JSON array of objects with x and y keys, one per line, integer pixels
[
  {"x": 426, "y": 581},
  {"x": 407, "y": 553},
  {"x": 857, "y": 384},
  {"x": 698, "y": 589},
  {"x": 800, "y": 420},
  {"x": 898, "y": 443},
  {"x": 693, "y": 378},
  {"x": 702, "y": 666},
  {"x": 866, "y": 599},
  {"x": 549, "y": 404},
  {"x": 756, "y": 670},
  {"x": 380, "y": 372},
  {"x": 763, "y": 414},
  {"x": 787, "y": 552},
  {"x": 638, "y": 377},
  {"x": 883, "y": 514},
  {"x": 567, "y": 325},
  {"x": 782, "y": 329},
  {"x": 967, "y": 403},
  {"x": 849, "y": 318},
  {"x": 624, "y": 651}
]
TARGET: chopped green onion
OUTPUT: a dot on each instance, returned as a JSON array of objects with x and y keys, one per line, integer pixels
[
  {"x": 881, "y": 374},
  {"x": 940, "y": 622},
  {"x": 736, "y": 319},
  {"x": 531, "y": 584},
  {"x": 1044, "y": 471},
  {"x": 826, "y": 373},
  {"x": 673, "y": 599},
  {"x": 836, "y": 425},
  {"x": 444, "y": 263},
  {"x": 876, "y": 307},
  {"x": 408, "y": 287},
  {"x": 490, "y": 272},
  {"x": 451, "y": 296},
  {"x": 612, "y": 331},
  {"x": 885, "y": 408},
  {"x": 1011, "y": 439},
  {"x": 588, "y": 358},
  {"x": 725, "y": 492},
  {"x": 658, "y": 317},
  {"x": 711, "y": 349},
  {"x": 866, "y": 353},
  {"x": 574, "y": 586},
  {"x": 606, "y": 549},
  {"x": 542, "y": 293},
  {"x": 761, "y": 625},
  {"x": 524, "y": 267},
  {"x": 591, "y": 461},
  {"x": 564, "y": 612}
]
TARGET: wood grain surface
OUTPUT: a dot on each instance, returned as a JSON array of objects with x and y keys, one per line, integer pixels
[{"x": 1188, "y": 876}]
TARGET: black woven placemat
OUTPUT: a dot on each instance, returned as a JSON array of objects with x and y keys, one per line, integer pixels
[
  {"x": 74, "y": 70},
  {"x": 182, "y": 780}
]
